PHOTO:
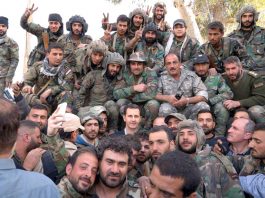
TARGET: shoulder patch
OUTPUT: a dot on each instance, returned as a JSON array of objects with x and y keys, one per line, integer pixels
[
  {"x": 253, "y": 74},
  {"x": 257, "y": 85}
]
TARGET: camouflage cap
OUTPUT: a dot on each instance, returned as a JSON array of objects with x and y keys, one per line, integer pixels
[
  {"x": 247, "y": 9},
  {"x": 138, "y": 57},
  {"x": 97, "y": 110},
  {"x": 178, "y": 116},
  {"x": 71, "y": 123}
]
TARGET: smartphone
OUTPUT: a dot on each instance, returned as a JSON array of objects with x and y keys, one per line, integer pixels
[
  {"x": 178, "y": 96},
  {"x": 62, "y": 108}
]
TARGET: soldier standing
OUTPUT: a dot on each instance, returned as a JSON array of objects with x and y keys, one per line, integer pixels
[
  {"x": 8, "y": 56},
  {"x": 251, "y": 36},
  {"x": 45, "y": 36}
]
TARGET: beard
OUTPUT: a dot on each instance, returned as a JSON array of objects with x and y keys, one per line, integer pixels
[
  {"x": 80, "y": 190},
  {"x": 32, "y": 145},
  {"x": 247, "y": 26},
  {"x": 191, "y": 150},
  {"x": 2, "y": 33},
  {"x": 109, "y": 183},
  {"x": 150, "y": 41}
]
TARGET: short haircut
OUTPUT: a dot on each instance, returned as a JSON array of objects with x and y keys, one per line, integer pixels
[
  {"x": 27, "y": 126},
  {"x": 123, "y": 18},
  {"x": 180, "y": 165},
  {"x": 115, "y": 144},
  {"x": 9, "y": 123},
  {"x": 170, "y": 54},
  {"x": 142, "y": 136},
  {"x": 168, "y": 131},
  {"x": 77, "y": 153},
  {"x": 131, "y": 106},
  {"x": 133, "y": 142},
  {"x": 55, "y": 46},
  {"x": 206, "y": 111},
  {"x": 260, "y": 127},
  {"x": 216, "y": 25},
  {"x": 40, "y": 107},
  {"x": 250, "y": 126},
  {"x": 243, "y": 109},
  {"x": 232, "y": 60}
]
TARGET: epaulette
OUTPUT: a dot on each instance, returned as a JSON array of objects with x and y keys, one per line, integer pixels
[{"x": 253, "y": 74}]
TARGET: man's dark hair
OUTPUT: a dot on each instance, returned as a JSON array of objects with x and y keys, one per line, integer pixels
[
  {"x": 133, "y": 142},
  {"x": 115, "y": 144},
  {"x": 28, "y": 125},
  {"x": 180, "y": 165},
  {"x": 232, "y": 60},
  {"x": 206, "y": 111},
  {"x": 168, "y": 131},
  {"x": 123, "y": 18},
  {"x": 216, "y": 25},
  {"x": 142, "y": 136},
  {"x": 78, "y": 152},
  {"x": 40, "y": 107},
  {"x": 131, "y": 106},
  {"x": 260, "y": 127},
  {"x": 9, "y": 123},
  {"x": 170, "y": 54},
  {"x": 55, "y": 46},
  {"x": 243, "y": 109}
]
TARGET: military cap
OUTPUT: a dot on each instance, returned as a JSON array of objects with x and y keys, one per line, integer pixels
[
  {"x": 178, "y": 116},
  {"x": 179, "y": 22},
  {"x": 55, "y": 17},
  {"x": 138, "y": 57},
  {"x": 202, "y": 58},
  {"x": 71, "y": 123},
  {"x": 97, "y": 110},
  {"x": 4, "y": 20}
]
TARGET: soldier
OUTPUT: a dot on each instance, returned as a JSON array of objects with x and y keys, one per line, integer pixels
[
  {"x": 98, "y": 85},
  {"x": 8, "y": 56},
  {"x": 253, "y": 96},
  {"x": 172, "y": 120},
  {"x": 218, "y": 173},
  {"x": 151, "y": 49},
  {"x": 218, "y": 92},
  {"x": 114, "y": 157},
  {"x": 218, "y": 48},
  {"x": 180, "y": 90},
  {"x": 81, "y": 171},
  {"x": 88, "y": 58},
  {"x": 77, "y": 27},
  {"x": 117, "y": 41},
  {"x": 45, "y": 36},
  {"x": 180, "y": 43},
  {"x": 177, "y": 182},
  {"x": 251, "y": 36},
  {"x": 52, "y": 78},
  {"x": 139, "y": 86}
]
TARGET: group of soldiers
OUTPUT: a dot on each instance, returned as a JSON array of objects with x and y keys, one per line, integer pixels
[{"x": 142, "y": 90}]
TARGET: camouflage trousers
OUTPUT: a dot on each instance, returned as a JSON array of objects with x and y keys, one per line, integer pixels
[
  {"x": 2, "y": 86},
  {"x": 222, "y": 116},
  {"x": 189, "y": 111},
  {"x": 258, "y": 113},
  {"x": 149, "y": 110}
]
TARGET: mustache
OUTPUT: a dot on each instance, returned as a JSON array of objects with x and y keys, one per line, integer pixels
[
  {"x": 111, "y": 174},
  {"x": 86, "y": 178}
]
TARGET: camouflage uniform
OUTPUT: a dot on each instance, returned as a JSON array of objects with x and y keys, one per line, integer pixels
[
  {"x": 188, "y": 85},
  {"x": 8, "y": 61},
  {"x": 253, "y": 94},
  {"x": 218, "y": 92},
  {"x": 125, "y": 94},
  {"x": 230, "y": 47},
  {"x": 185, "y": 50},
  {"x": 71, "y": 45},
  {"x": 153, "y": 52},
  {"x": 97, "y": 89},
  {"x": 132, "y": 29},
  {"x": 61, "y": 83},
  {"x": 67, "y": 190},
  {"x": 38, "y": 53},
  {"x": 219, "y": 177},
  {"x": 253, "y": 40}
]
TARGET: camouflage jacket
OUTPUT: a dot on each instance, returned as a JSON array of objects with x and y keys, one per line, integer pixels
[
  {"x": 249, "y": 90},
  {"x": 63, "y": 81},
  {"x": 96, "y": 89},
  {"x": 252, "y": 166},
  {"x": 154, "y": 55},
  {"x": 219, "y": 178},
  {"x": 70, "y": 46},
  {"x": 185, "y": 50},
  {"x": 117, "y": 44},
  {"x": 230, "y": 47},
  {"x": 8, "y": 58},
  {"x": 255, "y": 45},
  {"x": 125, "y": 87},
  {"x": 217, "y": 89},
  {"x": 188, "y": 85},
  {"x": 38, "y": 53},
  {"x": 68, "y": 191}
]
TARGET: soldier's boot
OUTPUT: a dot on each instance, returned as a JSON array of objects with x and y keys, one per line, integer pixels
[
  {"x": 222, "y": 116},
  {"x": 151, "y": 109}
]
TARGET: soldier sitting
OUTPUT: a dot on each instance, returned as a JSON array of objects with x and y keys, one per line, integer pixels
[
  {"x": 45, "y": 36},
  {"x": 51, "y": 79},
  {"x": 218, "y": 92},
  {"x": 139, "y": 86},
  {"x": 248, "y": 88},
  {"x": 180, "y": 90}
]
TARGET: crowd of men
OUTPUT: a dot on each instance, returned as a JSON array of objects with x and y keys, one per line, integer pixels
[{"x": 150, "y": 111}]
